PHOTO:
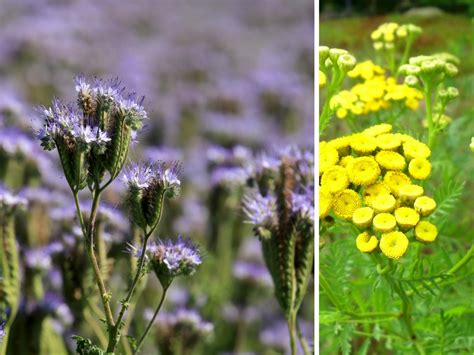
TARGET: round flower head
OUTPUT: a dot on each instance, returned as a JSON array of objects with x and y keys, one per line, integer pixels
[
  {"x": 395, "y": 180},
  {"x": 171, "y": 259},
  {"x": 390, "y": 160},
  {"x": 366, "y": 243},
  {"x": 424, "y": 205},
  {"x": 388, "y": 141},
  {"x": 322, "y": 79},
  {"x": 426, "y": 232},
  {"x": 384, "y": 222},
  {"x": 137, "y": 176},
  {"x": 384, "y": 203},
  {"x": 345, "y": 203},
  {"x": 394, "y": 244},
  {"x": 362, "y": 217},
  {"x": 372, "y": 191},
  {"x": 335, "y": 179},
  {"x": 363, "y": 171},
  {"x": 377, "y": 130},
  {"x": 406, "y": 217},
  {"x": 410, "y": 192},
  {"x": 419, "y": 168},
  {"x": 344, "y": 162},
  {"x": 327, "y": 157},
  {"x": 325, "y": 203},
  {"x": 363, "y": 144},
  {"x": 414, "y": 149},
  {"x": 342, "y": 145}
]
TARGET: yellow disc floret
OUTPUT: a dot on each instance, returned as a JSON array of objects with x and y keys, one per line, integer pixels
[
  {"x": 384, "y": 203},
  {"x": 414, "y": 149},
  {"x": 325, "y": 203},
  {"x": 363, "y": 171},
  {"x": 406, "y": 217},
  {"x": 372, "y": 191},
  {"x": 366, "y": 243},
  {"x": 410, "y": 193},
  {"x": 327, "y": 157},
  {"x": 363, "y": 144},
  {"x": 426, "y": 232},
  {"x": 384, "y": 222},
  {"x": 388, "y": 141},
  {"x": 335, "y": 179},
  {"x": 345, "y": 203},
  {"x": 394, "y": 244},
  {"x": 362, "y": 217},
  {"x": 424, "y": 205},
  {"x": 419, "y": 168},
  {"x": 390, "y": 160},
  {"x": 395, "y": 180}
]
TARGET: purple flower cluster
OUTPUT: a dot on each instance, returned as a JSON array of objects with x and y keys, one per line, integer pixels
[
  {"x": 147, "y": 175},
  {"x": 190, "y": 319},
  {"x": 261, "y": 210}
]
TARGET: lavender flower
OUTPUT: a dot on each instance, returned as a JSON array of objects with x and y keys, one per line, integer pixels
[
  {"x": 171, "y": 259},
  {"x": 175, "y": 322},
  {"x": 261, "y": 210},
  {"x": 138, "y": 176},
  {"x": 2, "y": 330},
  {"x": 302, "y": 204},
  {"x": 252, "y": 272},
  {"x": 9, "y": 202}
]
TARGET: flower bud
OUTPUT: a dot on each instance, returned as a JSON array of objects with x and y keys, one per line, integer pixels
[
  {"x": 452, "y": 92},
  {"x": 428, "y": 67},
  {"x": 409, "y": 69},
  {"x": 389, "y": 46},
  {"x": 411, "y": 81},
  {"x": 378, "y": 46},
  {"x": 323, "y": 53},
  {"x": 450, "y": 69},
  {"x": 414, "y": 30},
  {"x": 328, "y": 63},
  {"x": 335, "y": 53},
  {"x": 346, "y": 62},
  {"x": 402, "y": 32}
]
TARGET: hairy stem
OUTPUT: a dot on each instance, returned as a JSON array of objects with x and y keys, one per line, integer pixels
[
  {"x": 292, "y": 331},
  {"x": 90, "y": 252},
  {"x": 147, "y": 330},
  {"x": 303, "y": 342}
]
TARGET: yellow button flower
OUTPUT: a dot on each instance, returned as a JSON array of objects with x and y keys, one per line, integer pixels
[
  {"x": 363, "y": 171},
  {"x": 406, "y": 217},
  {"x": 346, "y": 160},
  {"x": 414, "y": 149},
  {"x": 384, "y": 222},
  {"x": 335, "y": 179},
  {"x": 377, "y": 130},
  {"x": 384, "y": 203},
  {"x": 388, "y": 141},
  {"x": 363, "y": 144},
  {"x": 395, "y": 180},
  {"x": 366, "y": 243},
  {"x": 325, "y": 203},
  {"x": 419, "y": 168},
  {"x": 372, "y": 191},
  {"x": 345, "y": 203},
  {"x": 426, "y": 232},
  {"x": 362, "y": 217},
  {"x": 394, "y": 244},
  {"x": 424, "y": 205},
  {"x": 327, "y": 157},
  {"x": 410, "y": 193},
  {"x": 390, "y": 160}
]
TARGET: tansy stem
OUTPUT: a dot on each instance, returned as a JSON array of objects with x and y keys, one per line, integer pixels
[
  {"x": 429, "y": 114},
  {"x": 142, "y": 339}
]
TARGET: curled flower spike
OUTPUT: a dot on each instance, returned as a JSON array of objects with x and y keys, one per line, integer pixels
[
  {"x": 261, "y": 210},
  {"x": 171, "y": 259},
  {"x": 148, "y": 184}
]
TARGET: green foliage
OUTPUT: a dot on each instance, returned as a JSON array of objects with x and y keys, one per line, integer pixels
[{"x": 85, "y": 346}]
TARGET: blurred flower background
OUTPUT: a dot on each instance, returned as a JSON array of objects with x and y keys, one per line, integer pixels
[{"x": 223, "y": 82}]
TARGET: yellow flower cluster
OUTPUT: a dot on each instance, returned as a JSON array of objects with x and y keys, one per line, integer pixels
[
  {"x": 387, "y": 34},
  {"x": 369, "y": 178},
  {"x": 375, "y": 93}
]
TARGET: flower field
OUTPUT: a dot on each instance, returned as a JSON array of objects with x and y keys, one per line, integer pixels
[{"x": 395, "y": 194}]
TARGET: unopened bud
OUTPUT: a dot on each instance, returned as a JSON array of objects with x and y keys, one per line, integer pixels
[
  {"x": 452, "y": 92},
  {"x": 335, "y": 53},
  {"x": 346, "y": 62},
  {"x": 450, "y": 69},
  {"x": 411, "y": 81},
  {"x": 323, "y": 53}
]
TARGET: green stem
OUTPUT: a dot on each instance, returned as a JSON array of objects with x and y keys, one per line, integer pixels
[
  {"x": 387, "y": 336},
  {"x": 90, "y": 252},
  {"x": 327, "y": 289},
  {"x": 336, "y": 82},
  {"x": 429, "y": 114},
  {"x": 147, "y": 330},
  {"x": 114, "y": 333},
  {"x": 406, "y": 52},
  {"x": 292, "y": 331},
  {"x": 461, "y": 263}
]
